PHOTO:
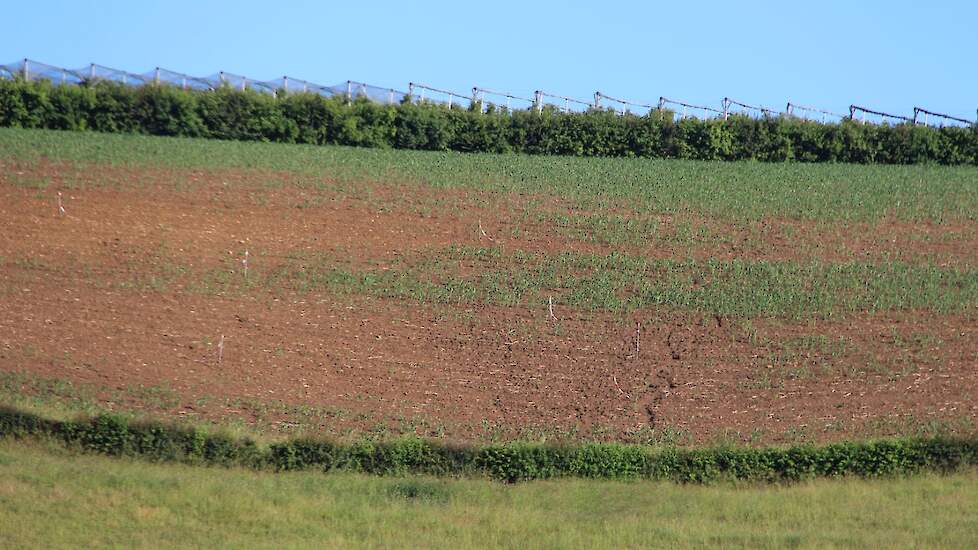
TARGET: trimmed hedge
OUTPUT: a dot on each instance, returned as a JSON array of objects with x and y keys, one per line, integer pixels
[
  {"x": 113, "y": 435},
  {"x": 313, "y": 119}
]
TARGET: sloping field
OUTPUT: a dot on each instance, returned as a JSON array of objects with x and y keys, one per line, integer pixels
[{"x": 358, "y": 292}]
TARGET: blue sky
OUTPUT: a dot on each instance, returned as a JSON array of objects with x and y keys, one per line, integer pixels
[{"x": 889, "y": 55}]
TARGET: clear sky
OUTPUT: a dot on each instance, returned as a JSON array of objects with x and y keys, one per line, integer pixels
[{"x": 891, "y": 55}]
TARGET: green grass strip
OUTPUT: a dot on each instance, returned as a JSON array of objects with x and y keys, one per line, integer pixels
[
  {"x": 114, "y": 435},
  {"x": 731, "y": 190},
  {"x": 54, "y": 498}
]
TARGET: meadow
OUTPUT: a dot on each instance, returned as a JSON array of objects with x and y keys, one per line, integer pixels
[{"x": 49, "y": 497}]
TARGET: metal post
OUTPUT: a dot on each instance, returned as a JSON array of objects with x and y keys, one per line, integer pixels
[
  {"x": 390, "y": 98},
  {"x": 27, "y": 70},
  {"x": 349, "y": 91},
  {"x": 411, "y": 89},
  {"x": 597, "y": 100},
  {"x": 726, "y": 108},
  {"x": 566, "y": 105},
  {"x": 184, "y": 78},
  {"x": 91, "y": 71},
  {"x": 156, "y": 77},
  {"x": 244, "y": 83},
  {"x": 450, "y": 98},
  {"x": 64, "y": 76},
  {"x": 538, "y": 101}
]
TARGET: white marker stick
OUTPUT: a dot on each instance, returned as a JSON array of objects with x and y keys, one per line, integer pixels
[{"x": 638, "y": 335}]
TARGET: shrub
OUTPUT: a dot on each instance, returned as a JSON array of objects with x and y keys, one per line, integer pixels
[
  {"x": 513, "y": 462},
  {"x": 310, "y": 118}
]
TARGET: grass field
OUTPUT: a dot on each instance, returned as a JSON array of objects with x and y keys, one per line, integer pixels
[{"x": 51, "y": 498}]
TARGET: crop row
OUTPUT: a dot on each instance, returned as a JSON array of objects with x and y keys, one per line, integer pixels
[
  {"x": 591, "y": 282},
  {"x": 310, "y": 118},
  {"x": 619, "y": 282}
]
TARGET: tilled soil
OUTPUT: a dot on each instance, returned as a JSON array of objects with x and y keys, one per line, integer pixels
[{"x": 459, "y": 371}]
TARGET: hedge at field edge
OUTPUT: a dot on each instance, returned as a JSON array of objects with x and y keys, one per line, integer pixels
[
  {"x": 115, "y": 435},
  {"x": 309, "y": 118}
]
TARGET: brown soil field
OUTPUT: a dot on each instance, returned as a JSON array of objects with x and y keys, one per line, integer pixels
[
  {"x": 350, "y": 364},
  {"x": 294, "y": 211}
]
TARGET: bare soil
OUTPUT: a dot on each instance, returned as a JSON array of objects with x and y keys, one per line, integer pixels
[{"x": 460, "y": 372}]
